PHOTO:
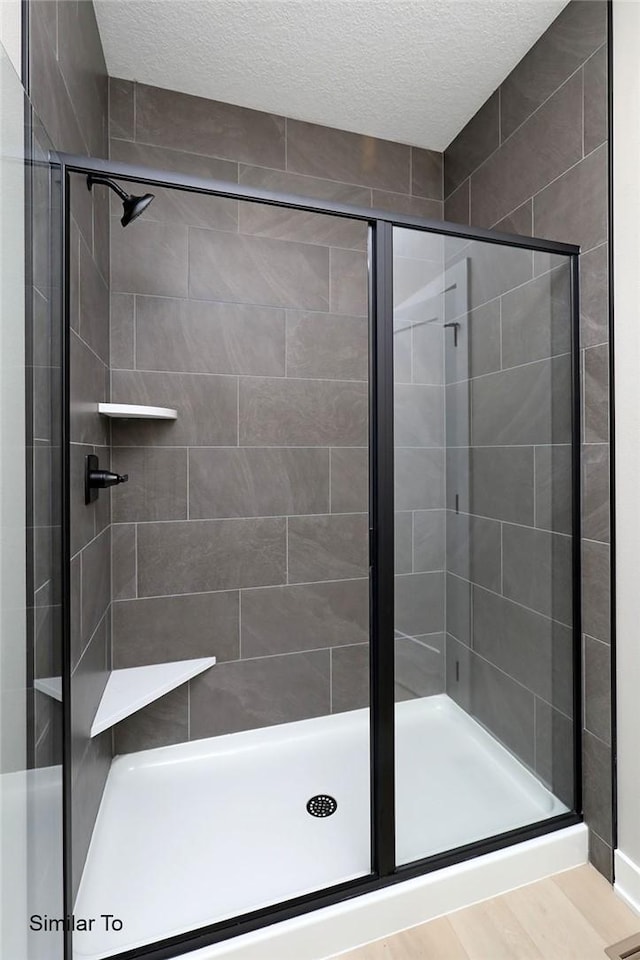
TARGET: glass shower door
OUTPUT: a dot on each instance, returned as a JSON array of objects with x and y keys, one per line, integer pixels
[{"x": 484, "y": 548}]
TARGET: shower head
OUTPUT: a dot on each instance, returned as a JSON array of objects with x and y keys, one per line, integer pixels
[{"x": 133, "y": 206}]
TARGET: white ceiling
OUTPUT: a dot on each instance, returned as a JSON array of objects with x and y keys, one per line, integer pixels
[{"x": 409, "y": 70}]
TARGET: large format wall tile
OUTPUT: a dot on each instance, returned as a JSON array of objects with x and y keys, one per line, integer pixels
[
  {"x": 207, "y": 409},
  {"x": 350, "y": 683},
  {"x": 529, "y": 647},
  {"x": 595, "y": 492},
  {"x": 258, "y": 482},
  {"x": 332, "y": 547},
  {"x": 555, "y": 746},
  {"x": 596, "y": 394},
  {"x": 536, "y": 318},
  {"x": 418, "y": 415},
  {"x": 280, "y": 181},
  {"x": 302, "y": 413},
  {"x": 515, "y": 171},
  {"x": 121, "y": 108},
  {"x": 597, "y": 694},
  {"x": 419, "y": 479},
  {"x": 474, "y": 549},
  {"x": 494, "y": 482},
  {"x": 349, "y": 479},
  {"x": 201, "y": 555},
  {"x": 426, "y": 173},
  {"x": 284, "y": 619},
  {"x": 595, "y": 100},
  {"x": 200, "y": 337},
  {"x": 96, "y": 583},
  {"x": 124, "y": 564},
  {"x": 93, "y": 305},
  {"x": 419, "y": 667},
  {"x": 493, "y": 269},
  {"x": 283, "y": 223},
  {"x": 537, "y": 570},
  {"x": 175, "y": 161},
  {"x": 327, "y": 346},
  {"x": 163, "y": 722},
  {"x": 554, "y": 488},
  {"x": 557, "y": 186},
  {"x": 428, "y": 540},
  {"x": 504, "y": 706},
  {"x": 208, "y": 127},
  {"x": 594, "y": 296},
  {"x": 348, "y": 282},
  {"x": 157, "y": 484},
  {"x": 572, "y": 37},
  {"x": 258, "y": 334},
  {"x": 275, "y": 272},
  {"x": 478, "y": 349},
  {"x": 150, "y": 258},
  {"x": 325, "y": 152},
  {"x": 473, "y": 145},
  {"x": 574, "y": 207},
  {"x": 89, "y": 385},
  {"x": 161, "y": 629},
  {"x": 122, "y": 330},
  {"x": 524, "y": 405},
  {"x": 596, "y": 598},
  {"x": 419, "y": 603},
  {"x": 247, "y": 694}
]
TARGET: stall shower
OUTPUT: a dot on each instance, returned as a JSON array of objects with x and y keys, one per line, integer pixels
[{"x": 320, "y": 548}]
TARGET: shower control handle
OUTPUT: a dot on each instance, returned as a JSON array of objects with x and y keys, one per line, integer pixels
[
  {"x": 105, "y": 478},
  {"x": 96, "y": 479}
]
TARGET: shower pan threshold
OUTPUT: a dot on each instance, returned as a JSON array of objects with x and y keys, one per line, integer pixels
[{"x": 194, "y": 833}]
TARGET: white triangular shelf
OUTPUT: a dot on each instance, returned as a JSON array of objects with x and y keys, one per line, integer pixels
[
  {"x": 52, "y": 686},
  {"x": 132, "y": 688}
]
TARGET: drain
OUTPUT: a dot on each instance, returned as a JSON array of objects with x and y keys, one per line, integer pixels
[{"x": 322, "y": 805}]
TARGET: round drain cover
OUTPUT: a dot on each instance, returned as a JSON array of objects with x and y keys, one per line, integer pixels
[{"x": 322, "y": 805}]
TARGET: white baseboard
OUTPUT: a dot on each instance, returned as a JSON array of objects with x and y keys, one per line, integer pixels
[
  {"x": 324, "y": 933},
  {"x": 627, "y": 882}
]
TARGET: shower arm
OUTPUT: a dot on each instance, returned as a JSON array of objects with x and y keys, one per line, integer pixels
[{"x": 95, "y": 178}]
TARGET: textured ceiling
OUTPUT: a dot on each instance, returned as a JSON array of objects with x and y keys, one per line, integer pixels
[{"x": 408, "y": 70}]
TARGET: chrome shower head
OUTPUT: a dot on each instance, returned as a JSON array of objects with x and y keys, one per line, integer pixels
[{"x": 132, "y": 206}]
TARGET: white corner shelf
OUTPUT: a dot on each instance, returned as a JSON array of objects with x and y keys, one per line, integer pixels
[
  {"x": 134, "y": 411},
  {"x": 132, "y": 688},
  {"x": 52, "y": 686}
]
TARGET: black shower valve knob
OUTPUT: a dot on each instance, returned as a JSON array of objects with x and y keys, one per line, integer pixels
[
  {"x": 96, "y": 479},
  {"x": 106, "y": 478}
]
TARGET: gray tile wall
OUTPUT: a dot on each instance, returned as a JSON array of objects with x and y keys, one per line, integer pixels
[
  {"x": 69, "y": 96},
  {"x": 242, "y": 532},
  {"x": 419, "y": 433},
  {"x": 509, "y": 501},
  {"x": 534, "y": 160}
]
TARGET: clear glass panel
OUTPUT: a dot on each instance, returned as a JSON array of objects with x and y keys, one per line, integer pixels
[
  {"x": 30, "y": 583},
  {"x": 484, "y": 663},
  {"x": 242, "y": 534}
]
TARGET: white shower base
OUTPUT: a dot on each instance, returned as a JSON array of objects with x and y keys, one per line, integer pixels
[{"x": 198, "y": 832}]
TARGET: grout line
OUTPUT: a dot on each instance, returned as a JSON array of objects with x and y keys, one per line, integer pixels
[
  {"x": 330, "y": 679},
  {"x": 240, "y": 624},
  {"x": 582, "y": 111},
  {"x": 187, "y": 451},
  {"x": 535, "y": 492},
  {"x": 135, "y": 332},
  {"x": 135, "y": 550}
]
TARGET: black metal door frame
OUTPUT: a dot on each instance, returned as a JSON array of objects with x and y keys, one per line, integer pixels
[{"x": 384, "y": 870}]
